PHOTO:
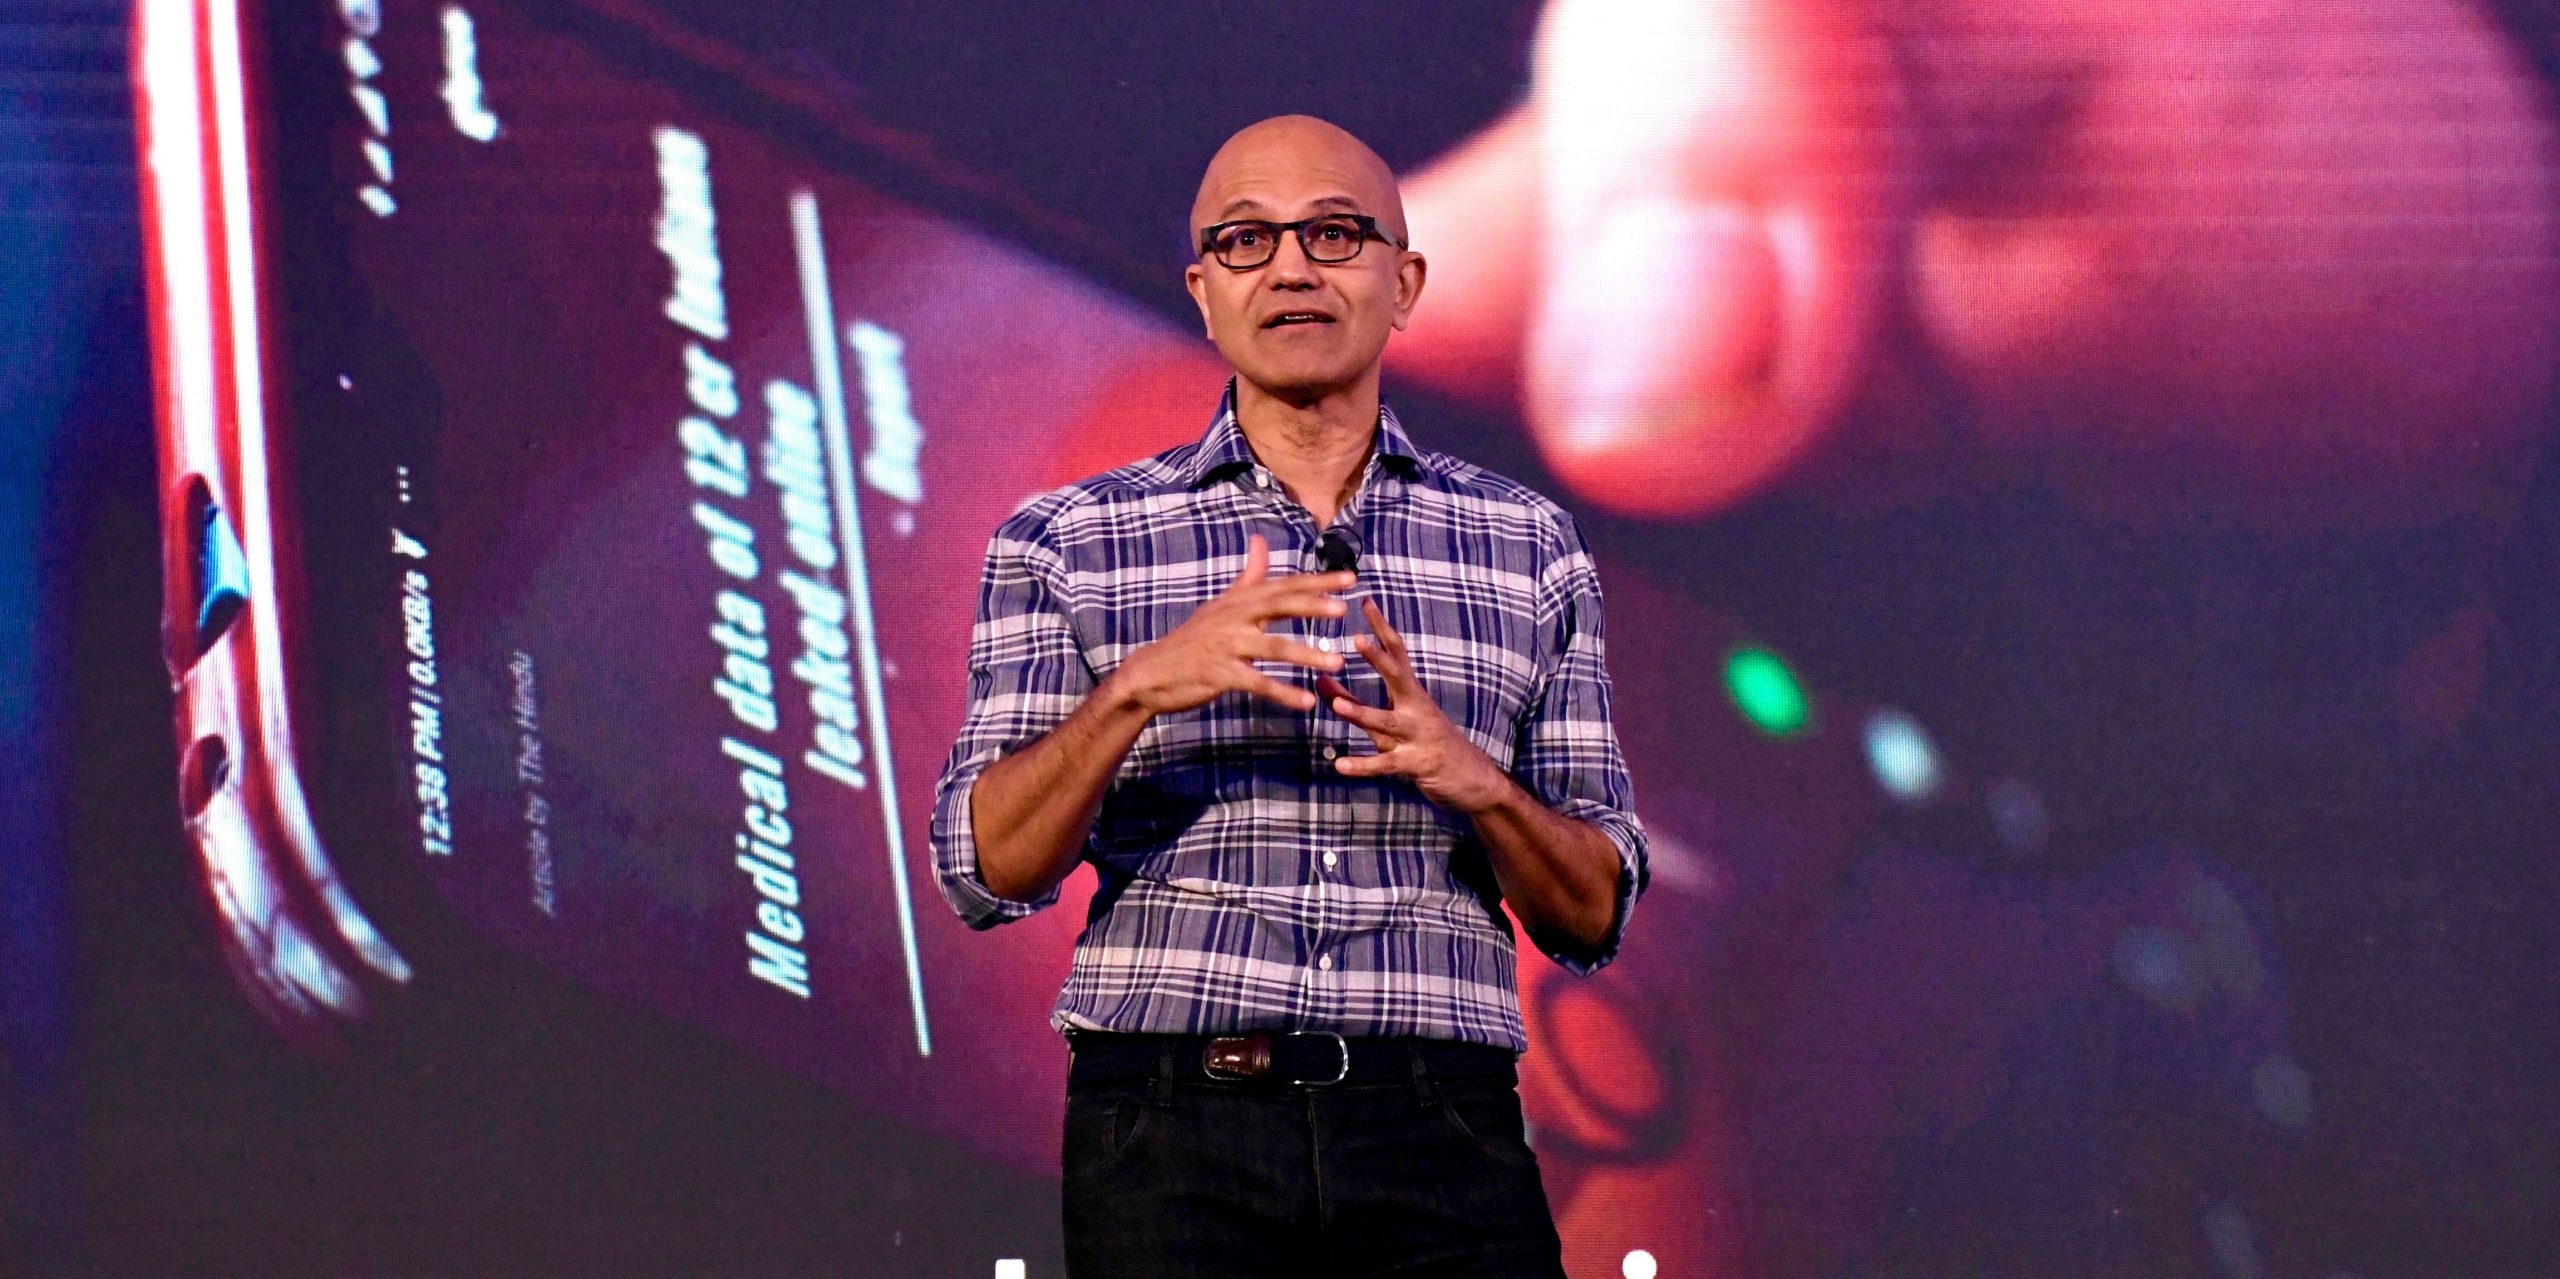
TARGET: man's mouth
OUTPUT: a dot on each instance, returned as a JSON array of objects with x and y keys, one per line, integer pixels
[{"x": 1286, "y": 318}]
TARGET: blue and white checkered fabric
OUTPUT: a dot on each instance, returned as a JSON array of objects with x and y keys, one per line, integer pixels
[{"x": 1243, "y": 884}]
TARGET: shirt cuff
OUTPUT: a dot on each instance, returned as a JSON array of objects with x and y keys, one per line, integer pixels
[
  {"x": 955, "y": 866},
  {"x": 1628, "y": 835}
]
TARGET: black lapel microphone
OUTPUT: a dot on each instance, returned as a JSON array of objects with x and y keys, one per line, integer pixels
[{"x": 1337, "y": 551}]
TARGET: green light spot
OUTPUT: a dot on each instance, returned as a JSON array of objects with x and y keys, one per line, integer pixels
[{"x": 1766, "y": 691}]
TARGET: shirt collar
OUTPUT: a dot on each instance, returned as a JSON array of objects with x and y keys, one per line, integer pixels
[{"x": 1224, "y": 447}]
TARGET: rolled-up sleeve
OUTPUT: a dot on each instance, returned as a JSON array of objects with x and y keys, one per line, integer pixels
[
  {"x": 1027, "y": 673},
  {"x": 1567, "y": 754}
]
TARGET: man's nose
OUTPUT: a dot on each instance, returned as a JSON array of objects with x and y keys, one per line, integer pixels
[{"x": 1290, "y": 268}]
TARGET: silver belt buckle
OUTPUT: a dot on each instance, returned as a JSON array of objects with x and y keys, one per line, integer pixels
[{"x": 1339, "y": 1047}]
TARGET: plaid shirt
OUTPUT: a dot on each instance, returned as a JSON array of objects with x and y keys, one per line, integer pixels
[{"x": 1244, "y": 884}]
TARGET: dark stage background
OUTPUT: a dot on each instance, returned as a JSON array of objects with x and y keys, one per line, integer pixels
[{"x": 2074, "y": 483}]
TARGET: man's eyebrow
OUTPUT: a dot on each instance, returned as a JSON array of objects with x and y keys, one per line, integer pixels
[{"x": 1247, "y": 204}]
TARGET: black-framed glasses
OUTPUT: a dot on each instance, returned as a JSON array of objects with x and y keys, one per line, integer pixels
[{"x": 1329, "y": 238}]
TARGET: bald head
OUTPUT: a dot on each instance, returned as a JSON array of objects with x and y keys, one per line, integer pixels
[
  {"x": 1294, "y": 328},
  {"x": 1297, "y": 158}
]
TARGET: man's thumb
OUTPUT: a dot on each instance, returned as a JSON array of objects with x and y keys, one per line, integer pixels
[{"x": 1724, "y": 202}]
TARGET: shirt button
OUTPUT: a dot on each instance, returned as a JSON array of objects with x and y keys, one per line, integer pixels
[
  {"x": 1330, "y": 752},
  {"x": 1325, "y": 962},
  {"x": 1262, "y": 479},
  {"x": 1330, "y": 860}
]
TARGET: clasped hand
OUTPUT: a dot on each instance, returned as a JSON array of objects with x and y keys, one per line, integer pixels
[{"x": 1214, "y": 650}]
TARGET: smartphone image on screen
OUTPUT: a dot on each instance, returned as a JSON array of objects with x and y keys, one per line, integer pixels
[{"x": 576, "y": 497}]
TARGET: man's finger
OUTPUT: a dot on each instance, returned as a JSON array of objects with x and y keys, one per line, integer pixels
[
  {"x": 1304, "y": 604},
  {"x": 1379, "y": 723},
  {"x": 1377, "y": 616},
  {"x": 1404, "y": 682},
  {"x": 1382, "y": 764},
  {"x": 1281, "y": 692},
  {"x": 1257, "y": 562},
  {"x": 1312, "y": 583},
  {"x": 1294, "y": 653},
  {"x": 1392, "y": 669},
  {"x": 1339, "y": 698}
]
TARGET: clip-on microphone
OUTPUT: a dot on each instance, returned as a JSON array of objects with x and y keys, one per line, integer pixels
[{"x": 1338, "y": 551}]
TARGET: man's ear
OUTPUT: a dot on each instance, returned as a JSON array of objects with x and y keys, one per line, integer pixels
[
  {"x": 1196, "y": 280},
  {"x": 1409, "y": 276}
]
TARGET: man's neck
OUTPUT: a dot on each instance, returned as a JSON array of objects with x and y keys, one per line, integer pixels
[{"x": 1318, "y": 448}]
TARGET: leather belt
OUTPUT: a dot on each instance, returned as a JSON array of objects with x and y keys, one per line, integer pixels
[{"x": 1314, "y": 1058}]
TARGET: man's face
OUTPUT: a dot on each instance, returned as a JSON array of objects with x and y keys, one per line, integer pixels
[{"x": 1297, "y": 328}]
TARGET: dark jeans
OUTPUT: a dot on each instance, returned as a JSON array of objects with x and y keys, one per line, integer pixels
[{"x": 1423, "y": 1176}]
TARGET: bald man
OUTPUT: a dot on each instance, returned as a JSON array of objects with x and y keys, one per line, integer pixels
[{"x": 1294, "y": 1009}]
